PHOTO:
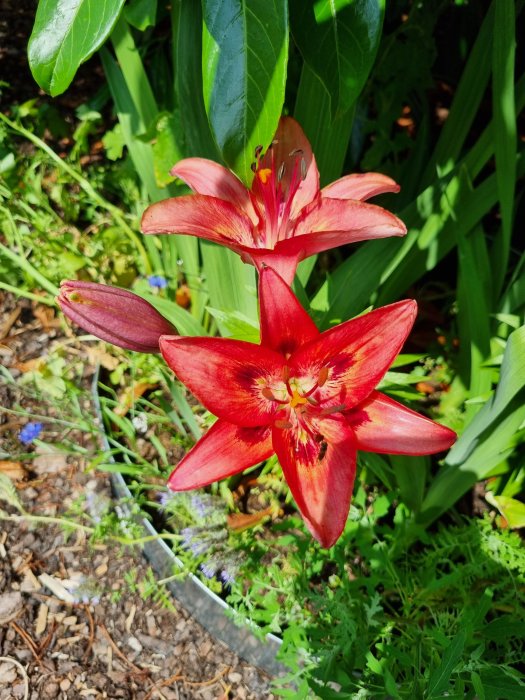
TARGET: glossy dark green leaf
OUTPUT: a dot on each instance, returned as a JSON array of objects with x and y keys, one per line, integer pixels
[
  {"x": 186, "y": 26},
  {"x": 66, "y": 33},
  {"x": 339, "y": 41},
  {"x": 244, "y": 58}
]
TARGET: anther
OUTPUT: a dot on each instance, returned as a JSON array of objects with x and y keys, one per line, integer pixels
[
  {"x": 296, "y": 152},
  {"x": 280, "y": 173},
  {"x": 323, "y": 376},
  {"x": 303, "y": 169},
  {"x": 258, "y": 151},
  {"x": 283, "y": 424}
]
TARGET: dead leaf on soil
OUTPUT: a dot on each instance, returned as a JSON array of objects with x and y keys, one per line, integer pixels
[
  {"x": 35, "y": 364},
  {"x": 98, "y": 356},
  {"x": 14, "y": 470},
  {"x": 130, "y": 395},
  {"x": 242, "y": 521}
]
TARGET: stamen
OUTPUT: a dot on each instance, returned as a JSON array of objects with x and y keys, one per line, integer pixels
[
  {"x": 258, "y": 151},
  {"x": 303, "y": 169},
  {"x": 283, "y": 424},
  {"x": 333, "y": 409},
  {"x": 264, "y": 175},
  {"x": 267, "y": 393},
  {"x": 281, "y": 171},
  {"x": 296, "y": 152},
  {"x": 323, "y": 376}
]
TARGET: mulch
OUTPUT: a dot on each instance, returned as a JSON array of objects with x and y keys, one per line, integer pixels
[{"x": 76, "y": 619}]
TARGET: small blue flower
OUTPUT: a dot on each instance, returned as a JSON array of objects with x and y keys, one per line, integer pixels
[
  {"x": 208, "y": 569},
  {"x": 29, "y": 432},
  {"x": 157, "y": 281},
  {"x": 227, "y": 576}
]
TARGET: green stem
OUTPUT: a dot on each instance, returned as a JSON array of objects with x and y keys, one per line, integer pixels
[{"x": 50, "y": 301}]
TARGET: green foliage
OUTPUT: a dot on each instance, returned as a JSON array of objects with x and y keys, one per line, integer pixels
[
  {"x": 67, "y": 33},
  {"x": 338, "y": 41},
  {"x": 244, "y": 57}
]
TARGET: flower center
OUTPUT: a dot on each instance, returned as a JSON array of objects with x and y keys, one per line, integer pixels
[{"x": 273, "y": 194}]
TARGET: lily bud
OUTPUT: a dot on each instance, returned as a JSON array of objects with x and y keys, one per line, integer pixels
[{"x": 114, "y": 314}]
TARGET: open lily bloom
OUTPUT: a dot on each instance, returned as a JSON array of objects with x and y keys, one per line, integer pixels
[
  {"x": 307, "y": 396},
  {"x": 284, "y": 217},
  {"x": 114, "y": 314}
]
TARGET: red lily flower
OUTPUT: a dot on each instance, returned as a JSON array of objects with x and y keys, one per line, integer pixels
[
  {"x": 114, "y": 314},
  {"x": 307, "y": 396},
  {"x": 284, "y": 217}
]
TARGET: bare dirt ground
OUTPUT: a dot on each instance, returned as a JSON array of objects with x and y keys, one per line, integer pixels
[{"x": 76, "y": 620}]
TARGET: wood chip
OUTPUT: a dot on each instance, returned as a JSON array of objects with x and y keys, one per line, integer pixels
[
  {"x": 101, "y": 570},
  {"x": 11, "y": 605},
  {"x": 30, "y": 582},
  {"x": 71, "y": 620},
  {"x": 69, "y": 640},
  {"x": 56, "y": 588},
  {"x": 41, "y": 620},
  {"x": 131, "y": 617}
]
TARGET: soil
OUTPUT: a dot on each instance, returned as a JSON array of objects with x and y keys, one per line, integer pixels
[{"x": 75, "y": 618}]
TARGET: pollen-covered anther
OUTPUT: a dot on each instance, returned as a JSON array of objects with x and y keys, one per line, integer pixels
[
  {"x": 283, "y": 424},
  {"x": 268, "y": 394},
  {"x": 264, "y": 175},
  {"x": 323, "y": 376}
]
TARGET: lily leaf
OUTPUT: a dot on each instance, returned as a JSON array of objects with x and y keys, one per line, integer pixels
[
  {"x": 65, "y": 34},
  {"x": 339, "y": 41},
  {"x": 244, "y": 58}
]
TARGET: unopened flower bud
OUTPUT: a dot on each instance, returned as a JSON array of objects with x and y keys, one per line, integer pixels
[{"x": 114, "y": 314}]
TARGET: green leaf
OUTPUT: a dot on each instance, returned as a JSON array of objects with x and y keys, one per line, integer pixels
[
  {"x": 440, "y": 677},
  {"x": 141, "y": 14},
  {"x": 166, "y": 151},
  {"x": 65, "y": 34},
  {"x": 244, "y": 58},
  {"x": 339, "y": 41},
  {"x": 185, "y": 323},
  {"x": 329, "y": 139},
  {"x": 498, "y": 685},
  {"x": 510, "y": 508},
  {"x": 187, "y": 64},
  {"x": 505, "y": 130},
  {"x": 488, "y": 440},
  {"x": 114, "y": 142},
  {"x": 236, "y": 325}
]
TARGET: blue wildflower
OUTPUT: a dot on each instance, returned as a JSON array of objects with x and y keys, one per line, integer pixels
[
  {"x": 208, "y": 569},
  {"x": 157, "y": 281},
  {"x": 227, "y": 576},
  {"x": 29, "y": 432}
]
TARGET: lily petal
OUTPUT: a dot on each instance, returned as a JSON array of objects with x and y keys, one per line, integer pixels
[
  {"x": 289, "y": 146},
  {"x": 283, "y": 262},
  {"x": 360, "y": 186},
  {"x": 209, "y": 178},
  {"x": 227, "y": 376},
  {"x": 386, "y": 426},
  {"x": 320, "y": 472},
  {"x": 202, "y": 216},
  {"x": 330, "y": 222},
  {"x": 285, "y": 325},
  {"x": 224, "y": 450},
  {"x": 357, "y": 353}
]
